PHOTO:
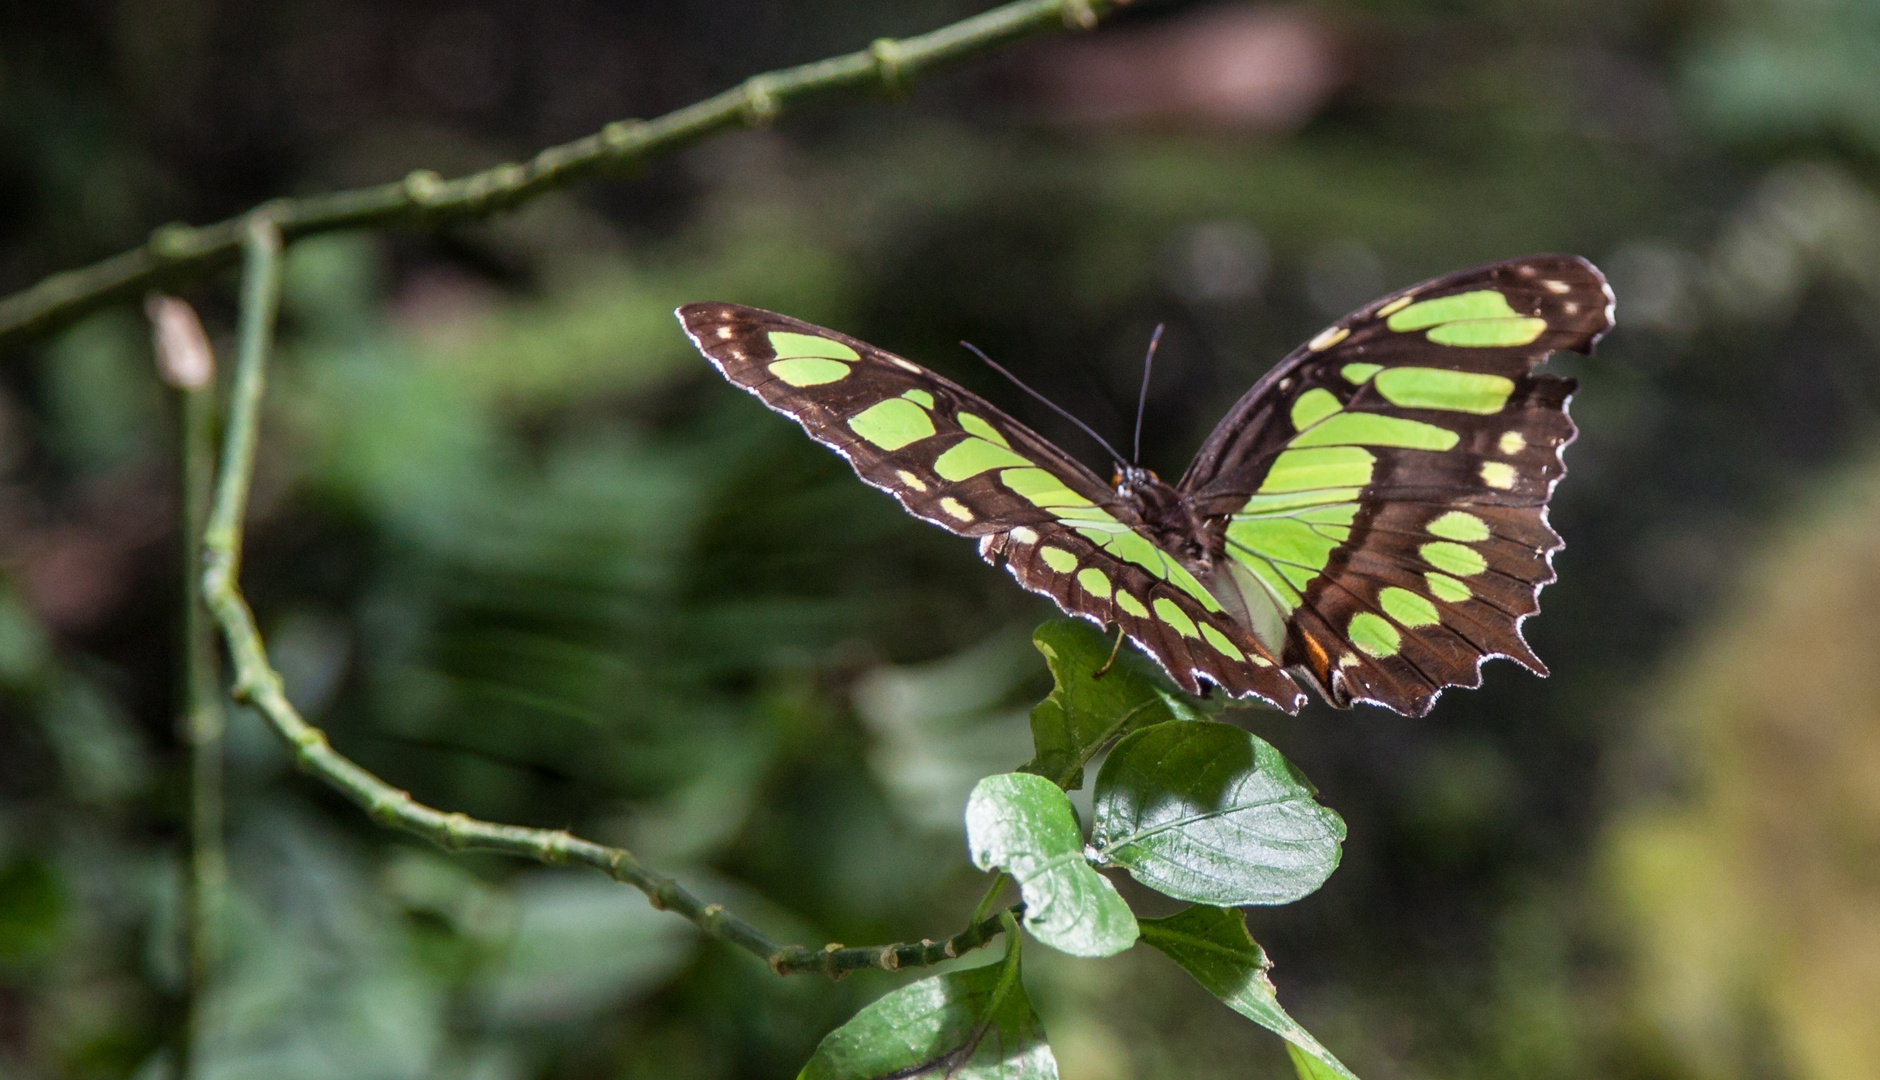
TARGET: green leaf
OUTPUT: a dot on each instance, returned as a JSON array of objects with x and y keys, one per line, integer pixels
[
  {"x": 1209, "y": 813},
  {"x": 1025, "y": 826},
  {"x": 1083, "y": 713},
  {"x": 1308, "y": 1067},
  {"x": 970, "y": 1025},
  {"x": 1213, "y": 945}
]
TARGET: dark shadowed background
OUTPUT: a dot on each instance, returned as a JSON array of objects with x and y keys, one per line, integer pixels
[{"x": 520, "y": 552}]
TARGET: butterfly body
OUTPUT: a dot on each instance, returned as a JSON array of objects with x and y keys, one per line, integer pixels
[
  {"x": 1369, "y": 520},
  {"x": 1168, "y": 517}
]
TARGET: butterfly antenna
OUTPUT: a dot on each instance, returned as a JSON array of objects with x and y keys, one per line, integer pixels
[
  {"x": 1142, "y": 399},
  {"x": 1054, "y": 406}
]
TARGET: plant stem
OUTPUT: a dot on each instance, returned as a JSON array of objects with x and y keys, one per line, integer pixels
[
  {"x": 257, "y": 683},
  {"x": 992, "y": 895},
  {"x": 1008, "y": 925},
  {"x": 204, "y": 721},
  {"x": 186, "y": 363},
  {"x": 178, "y": 253},
  {"x": 260, "y": 303}
]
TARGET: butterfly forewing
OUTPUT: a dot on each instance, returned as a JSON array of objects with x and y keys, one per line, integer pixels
[
  {"x": 953, "y": 459},
  {"x": 1378, "y": 502}
]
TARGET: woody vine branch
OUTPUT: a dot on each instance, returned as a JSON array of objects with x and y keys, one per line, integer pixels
[
  {"x": 258, "y": 684},
  {"x": 176, "y": 254}
]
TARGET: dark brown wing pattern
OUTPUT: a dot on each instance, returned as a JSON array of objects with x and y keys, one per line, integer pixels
[
  {"x": 953, "y": 459},
  {"x": 1379, "y": 500}
]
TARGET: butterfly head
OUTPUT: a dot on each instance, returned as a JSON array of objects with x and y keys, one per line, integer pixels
[
  {"x": 1132, "y": 478},
  {"x": 1165, "y": 514},
  {"x": 1152, "y": 497}
]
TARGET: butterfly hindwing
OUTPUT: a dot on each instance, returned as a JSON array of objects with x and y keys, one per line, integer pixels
[
  {"x": 1380, "y": 498},
  {"x": 1181, "y": 625},
  {"x": 953, "y": 459}
]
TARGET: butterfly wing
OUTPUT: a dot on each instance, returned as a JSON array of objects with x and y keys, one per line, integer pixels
[
  {"x": 1378, "y": 501},
  {"x": 953, "y": 459}
]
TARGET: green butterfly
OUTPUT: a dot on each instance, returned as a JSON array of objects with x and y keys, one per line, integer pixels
[{"x": 1370, "y": 519}]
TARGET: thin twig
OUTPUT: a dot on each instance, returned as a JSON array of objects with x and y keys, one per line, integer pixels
[
  {"x": 258, "y": 684},
  {"x": 993, "y": 890},
  {"x": 178, "y": 253},
  {"x": 185, "y": 361}
]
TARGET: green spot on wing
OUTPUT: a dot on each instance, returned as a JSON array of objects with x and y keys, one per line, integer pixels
[
  {"x": 787, "y": 345},
  {"x": 1375, "y": 429},
  {"x": 1094, "y": 581},
  {"x": 1277, "y": 504},
  {"x": 1058, "y": 559},
  {"x": 1131, "y": 546},
  {"x": 920, "y": 397},
  {"x": 1314, "y": 405},
  {"x": 1480, "y": 319},
  {"x": 1132, "y": 605},
  {"x": 1453, "y": 558},
  {"x": 1283, "y": 540},
  {"x": 1441, "y": 388},
  {"x": 1317, "y": 468},
  {"x": 1299, "y": 576},
  {"x": 1481, "y": 304},
  {"x": 1219, "y": 641},
  {"x": 809, "y": 370},
  {"x": 1178, "y": 576},
  {"x": 1342, "y": 514},
  {"x": 976, "y": 425},
  {"x": 1459, "y": 525},
  {"x": 1041, "y": 488},
  {"x": 1408, "y": 608},
  {"x": 1357, "y": 373},
  {"x": 970, "y": 457},
  {"x": 1488, "y": 333},
  {"x": 889, "y": 424},
  {"x": 1373, "y": 635},
  {"x": 1447, "y": 589},
  {"x": 1168, "y": 612}
]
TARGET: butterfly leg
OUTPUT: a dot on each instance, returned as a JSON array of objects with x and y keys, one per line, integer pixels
[{"x": 1114, "y": 649}]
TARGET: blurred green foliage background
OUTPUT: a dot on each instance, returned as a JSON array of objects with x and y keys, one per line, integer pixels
[{"x": 520, "y": 552}]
